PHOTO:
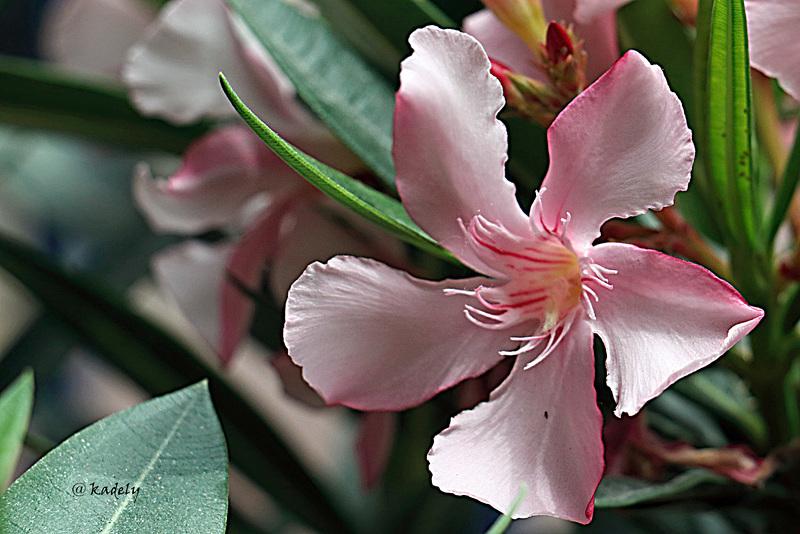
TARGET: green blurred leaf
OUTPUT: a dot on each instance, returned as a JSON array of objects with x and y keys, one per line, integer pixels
[
  {"x": 354, "y": 101},
  {"x": 35, "y": 95},
  {"x": 786, "y": 188},
  {"x": 680, "y": 419},
  {"x": 728, "y": 101},
  {"x": 725, "y": 394},
  {"x": 371, "y": 204},
  {"x": 16, "y": 403},
  {"x": 616, "y": 492},
  {"x": 159, "y": 363},
  {"x": 170, "y": 449}
]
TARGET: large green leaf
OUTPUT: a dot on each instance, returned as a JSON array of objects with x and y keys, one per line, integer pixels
[
  {"x": 373, "y": 205},
  {"x": 38, "y": 96},
  {"x": 615, "y": 492},
  {"x": 16, "y": 404},
  {"x": 159, "y": 363},
  {"x": 354, "y": 101},
  {"x": 160, "y": 466},
  {"x": 727, "y": 111}
]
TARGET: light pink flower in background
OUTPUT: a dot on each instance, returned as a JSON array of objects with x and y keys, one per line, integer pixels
[
  {"x": 374, "y": 338},
  {"x": 599, "y": 37},
  {"x": 231, "y": 181},
  {"x": 774, "y": 50},
  {"x": 93, "y": 36}
]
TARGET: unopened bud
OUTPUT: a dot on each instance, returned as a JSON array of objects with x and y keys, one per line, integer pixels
[
  {"x": 558, "y": 44},
  {"x": 510, "y": 92},
  {"x": 523, "y": 17}
]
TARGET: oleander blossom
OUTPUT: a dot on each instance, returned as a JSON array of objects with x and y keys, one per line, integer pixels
[{"x": 375, "y": 338}]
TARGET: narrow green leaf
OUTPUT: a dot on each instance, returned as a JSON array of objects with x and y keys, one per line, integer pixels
[
  {"x": 35, "y": 95},
  {"x": 504, "y": 521},
  {"x": 373, "y": 205},
  {"x": 725, "y": 394},
  {"x": 616, "y": 492},
  {"x": 729, "y": 109},
  {"x": 16, "y": 403},
  {"x": 354, "y": 101},
  {"x": 783, "y": 196},
  {"x": 159, "y": 363},
  {"x": 160, "y": 466}
]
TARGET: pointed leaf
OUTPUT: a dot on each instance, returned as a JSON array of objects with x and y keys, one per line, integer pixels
[
  {"x": 354, "y": 101},
  {"x": 729, "y": 107},
  {"x": 164, "y": 460},
  {"x": 371, "y": 204},
  {"x": 616, "y": 492},
  {"x": 37, "y": 96},
  {"x": 16, "y": 403}
]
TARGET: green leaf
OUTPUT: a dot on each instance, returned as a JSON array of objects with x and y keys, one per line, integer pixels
[
  {"x": 680, "y": 419},
  {"x": 38, "y": 96},
  {"x": 354, "y": 101},
  {"x": 371, "y": 204},
  {"x": 783, "y": 196},
  {"x": 167, "y": 457},
  {"x": 159, "y": 363},
  {"x": 16, "y": 404},
  {"x": 504, "y": 521},
  {"x": 729, "y": 106},
  {"x": 725, "y": 394},
  {"x": 616, "y": 492}
]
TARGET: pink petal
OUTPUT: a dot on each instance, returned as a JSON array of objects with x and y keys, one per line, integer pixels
[
  {"x": 193, "y": 273},
  {"x": 586, "y": 10},
  {"x": 244, "y": 272},
  {"x": 620, "y": 148},
  {"x": 92, "y": 36},
  {"x": 173, "y": 72},
  {"x": 541, "y": 427},
  {"x": 376, "y": 431},
  {"x": 317, "y": 236},
  {"x": 502, "y": 44},
  {"x": 291, "y": 376},
  {"x": 772, "y": 29},
  {"x": 449, "y": 148},
  {"x": 374, "y": 338},
  {"x": 221, "y": 172},
  {"x": 665, "y": 318}
]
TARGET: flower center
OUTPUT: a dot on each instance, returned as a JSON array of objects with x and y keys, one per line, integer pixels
[{"x": 539, "y": 282}]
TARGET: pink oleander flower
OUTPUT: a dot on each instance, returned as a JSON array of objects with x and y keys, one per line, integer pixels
[{"x": 375, "y": 338}]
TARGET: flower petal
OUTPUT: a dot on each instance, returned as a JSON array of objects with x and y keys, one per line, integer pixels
[
  {"x": 665, "y": 318},
  {"x": 374, "y": 445},
  {"x": 192, "y": 273},
  {"x": 92, "y": 36},
  {"x": 173, "y": 72},
  {"x": 244, "y": 272},
  {"x": 772, "y": 30},
  {"x": 620, "y": 148},
  {"x": 221, "y": 172},
  {"x": 374, "y": 338},
  {"x": 586, "y": 10},
  {"x": 449, "y": 148},
  {"x": 321, "y": 232},
  {"x": 541, "y": 427},
  {"x": 502, "y": 44}
]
